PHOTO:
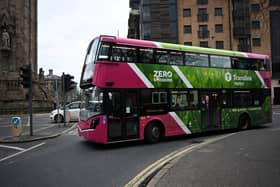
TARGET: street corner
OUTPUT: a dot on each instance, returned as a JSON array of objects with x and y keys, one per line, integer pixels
[
  {"x": 28, "y": 138},
  {"x": 43, "y": 133}
]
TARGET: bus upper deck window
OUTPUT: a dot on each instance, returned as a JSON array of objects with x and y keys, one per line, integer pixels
[
  {"x": 262, "y": 64},
  {"x": 104, "y": 52}
]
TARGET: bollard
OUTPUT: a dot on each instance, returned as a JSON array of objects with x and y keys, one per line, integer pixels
[{"x": 16, "y": 126}]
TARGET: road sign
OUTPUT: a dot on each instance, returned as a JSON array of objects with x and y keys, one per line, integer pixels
[
  {"x": 16, "y": 126},
  {"x": 16, "y": 120}
]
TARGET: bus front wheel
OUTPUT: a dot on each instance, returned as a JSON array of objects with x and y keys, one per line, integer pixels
[
  {"x": 153, "y": 133},
  {"x": 244, "y": 122}
]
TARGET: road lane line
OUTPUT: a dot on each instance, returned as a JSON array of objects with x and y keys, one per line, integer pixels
[
  {"x": 70, "y": 129},
  {"x": 148, "y": 171},
  {"x": 12, "y": 147},
  {"x": 21, "y": 152}
]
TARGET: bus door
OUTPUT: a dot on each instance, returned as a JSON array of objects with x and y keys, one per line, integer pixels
[
  {"x": 210, "y": 109},
  {"x": 123, "y": 118}
]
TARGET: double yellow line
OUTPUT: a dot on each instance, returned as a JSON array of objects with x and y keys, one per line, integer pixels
[{"x": 159, "y": 164}]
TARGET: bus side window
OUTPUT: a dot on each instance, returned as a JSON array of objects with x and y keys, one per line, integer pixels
[
  {"x": 116, "y": 54},
  {"x": 240, "y": 63},
  {"x": 130, "y": 54},
  {"x": 194, "y": 59},
  {"x": 176, "y": 58},
  {"x": 219, "y": 61},
  {"x": 253, "y": 64},
  {"x": 226, "y": 98},
  {"x": 193, "y": 98},
  {"x": 162, "y": 57},
  {"x": 145, "y": 55},
  {"x": 262, "y": 64}
]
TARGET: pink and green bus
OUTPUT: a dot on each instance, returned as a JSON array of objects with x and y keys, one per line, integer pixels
[{"x": 145, "y": 90}]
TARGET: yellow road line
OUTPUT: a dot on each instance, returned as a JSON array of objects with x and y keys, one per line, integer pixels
[{"x": 138, "y": 179}]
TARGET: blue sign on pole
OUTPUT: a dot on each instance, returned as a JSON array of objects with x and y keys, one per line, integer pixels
[{"x": 15, "y": 120}]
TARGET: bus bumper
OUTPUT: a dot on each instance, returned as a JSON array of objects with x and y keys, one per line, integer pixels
[{"x": 97, "y": 134}]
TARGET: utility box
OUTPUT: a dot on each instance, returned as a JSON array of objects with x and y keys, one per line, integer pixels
[{"x": 16, "y": 126}]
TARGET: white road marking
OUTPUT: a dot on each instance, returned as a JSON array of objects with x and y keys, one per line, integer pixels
[
  {"x": 21, "y": 152},
  {"x": 70, "y": 129},
  {"x": 12, "y": 147}
]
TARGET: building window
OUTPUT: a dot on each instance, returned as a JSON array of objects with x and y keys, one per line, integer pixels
[
  {"x": 274, "y": 2},
  {"x": 187, "y": 43},
  {"x": 218, "y": 11},
  {"x": 203, "y": 31},
  {"x": 255, "y": 7},
  {"x": 243, "y": 44},
  {"x": 187, "y": 29},
  {"x": 202, "y": 15},
  {"x": 187, "y": 12},
  {"x": 256, "y": 42},
  {"x": 219, "y": 28},
  {"x": 219, "y": 44},
  {"x": 203, "y": 44},
  {"x": 202, "y": 2},
  {"x": 255, "y": 25}
]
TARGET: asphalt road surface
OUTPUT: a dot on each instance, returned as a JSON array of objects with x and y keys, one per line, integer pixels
[{"x": 70, "y": 161}]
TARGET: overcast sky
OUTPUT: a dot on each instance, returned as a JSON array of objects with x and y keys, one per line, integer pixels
[{"x": 65, "y": 28}]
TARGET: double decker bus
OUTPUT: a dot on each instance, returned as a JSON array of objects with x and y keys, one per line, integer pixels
[{"x": 145, "y": 90}]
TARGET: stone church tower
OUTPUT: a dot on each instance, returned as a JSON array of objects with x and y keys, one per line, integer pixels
[{"x": 18, "y": 46}]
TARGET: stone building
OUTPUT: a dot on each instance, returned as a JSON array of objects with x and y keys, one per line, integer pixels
[
  {"x": 243, "y": 25},
  {"x": 18, "y": 47}
]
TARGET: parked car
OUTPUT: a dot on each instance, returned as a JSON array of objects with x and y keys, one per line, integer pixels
[{"x": 73, "y": 109}]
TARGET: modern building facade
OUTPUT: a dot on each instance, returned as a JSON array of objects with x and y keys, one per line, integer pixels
[
  {"x": 158, "y": 20},
  {"x": 243, "y": 25}
]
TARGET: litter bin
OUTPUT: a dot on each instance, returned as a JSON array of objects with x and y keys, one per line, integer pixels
[{"x": 16, "y": 126}]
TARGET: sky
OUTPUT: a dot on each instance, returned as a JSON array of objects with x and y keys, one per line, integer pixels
[{"x": 65, "y": 28}]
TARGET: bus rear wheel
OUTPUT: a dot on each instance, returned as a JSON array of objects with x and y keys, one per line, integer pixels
[
  {"x": 153, "y": 133},
  {"x": 244, "y": 122}
]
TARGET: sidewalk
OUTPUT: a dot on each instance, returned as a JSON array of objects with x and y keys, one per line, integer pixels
[
  {"x": 50, "y": 131},
  {"x": 233, "y": 161}
]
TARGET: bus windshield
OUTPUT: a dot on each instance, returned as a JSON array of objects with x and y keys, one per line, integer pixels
[
  {"x": 93, "y": 99},
  {"x": 88, "y": 68}
]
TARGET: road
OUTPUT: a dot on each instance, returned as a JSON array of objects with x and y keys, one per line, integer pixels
[{"x": 70, "y": 161}]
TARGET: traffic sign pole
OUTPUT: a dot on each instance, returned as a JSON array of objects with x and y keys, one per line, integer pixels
[{"x": 30, "y": 103}]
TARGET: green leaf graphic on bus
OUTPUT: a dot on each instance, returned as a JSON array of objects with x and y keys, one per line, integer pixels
[
  {"x": 221, "y": 78},
  {"x": 161, "y": 76},
  {"x": 165, "y": 76},
  {"x": 191, "y": 119}
]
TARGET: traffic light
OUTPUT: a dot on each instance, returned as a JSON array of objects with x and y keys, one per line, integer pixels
[
  {"x": 26, "y": 79},
  {"x": 69, "y": 84}
]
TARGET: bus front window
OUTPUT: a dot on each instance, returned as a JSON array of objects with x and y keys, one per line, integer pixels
[
  {"x": 90, "y": 61},
  {"x": 93, "y": 99}
]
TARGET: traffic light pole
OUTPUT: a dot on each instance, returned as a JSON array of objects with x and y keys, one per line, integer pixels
[
  {"x": 64, "y": 98},
  {"x": 26, "y": 81},
  {"x": 30, "y": 102}
]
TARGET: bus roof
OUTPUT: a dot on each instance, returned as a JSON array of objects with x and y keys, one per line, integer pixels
[{"x": 163, "y": 45}]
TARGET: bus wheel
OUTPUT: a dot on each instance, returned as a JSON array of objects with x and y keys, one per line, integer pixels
[
  {"x": 58, "y": 118},
  {"x": 244, "y": 122},
  {"x": 152, "y": 133}
]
